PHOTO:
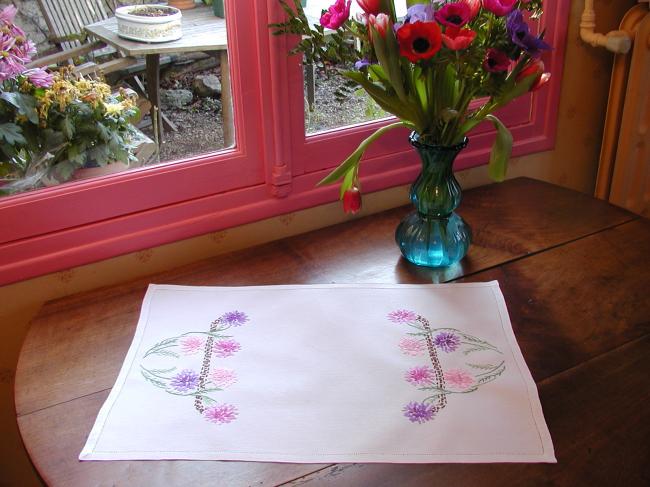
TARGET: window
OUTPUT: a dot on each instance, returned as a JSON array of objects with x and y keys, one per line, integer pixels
[{"x": 272, "y": 169}]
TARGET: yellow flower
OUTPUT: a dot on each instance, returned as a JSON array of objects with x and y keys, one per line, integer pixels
[{"x": 114, "y": 108}]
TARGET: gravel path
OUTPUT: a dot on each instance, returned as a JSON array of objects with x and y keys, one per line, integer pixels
[{"x": 200, "y": 126}]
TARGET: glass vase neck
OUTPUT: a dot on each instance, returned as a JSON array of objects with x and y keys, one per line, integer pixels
[{"x": 436, "y": 193}]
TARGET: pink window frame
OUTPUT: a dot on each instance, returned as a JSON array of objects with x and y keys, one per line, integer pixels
[{"x": 273, "y": 169}]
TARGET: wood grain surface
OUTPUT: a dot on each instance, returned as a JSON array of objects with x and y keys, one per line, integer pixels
[{"x": 575, "y": 273}]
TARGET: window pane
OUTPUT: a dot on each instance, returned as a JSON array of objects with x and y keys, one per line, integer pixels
[
  {"x": 323, "y": 109},
  {"x": 83, "y": 127}
]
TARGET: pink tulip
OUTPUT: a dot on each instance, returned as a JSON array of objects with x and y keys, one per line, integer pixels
[
  {"x": 336, "y": 15},
  {"x": 534, "y": 67},
  {"x": 370, "y": 6},
  {"x": 380, "y": 23}
]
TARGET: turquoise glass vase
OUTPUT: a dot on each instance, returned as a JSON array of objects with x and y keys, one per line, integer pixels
[{"x": 434, "y": 235}]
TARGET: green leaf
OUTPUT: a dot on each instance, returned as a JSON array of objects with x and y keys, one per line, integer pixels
[
  {"x": 347, "y": 183},
  {"x": 67, "y": 127},
  {"x": 12, "y": 134},
  {"x": 501, "y": 150},
  {"x": 25, "y": 104},
  {"x": 350, "y": 164}
]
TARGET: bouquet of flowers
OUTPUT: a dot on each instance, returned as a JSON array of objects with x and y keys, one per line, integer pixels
[
  {"x": 427, "y": 67},
  {"x": 52, "y": 123}
]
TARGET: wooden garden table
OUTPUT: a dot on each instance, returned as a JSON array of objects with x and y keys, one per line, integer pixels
[
  {"x": 575, "y": 273},
  {"x": 202, "y": 31}
]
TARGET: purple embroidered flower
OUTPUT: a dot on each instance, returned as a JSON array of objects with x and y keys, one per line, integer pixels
[
  {"x": 221, "y": 413},
  {"x": 191, "y": 345},
  {"x": 402, "y": 316},
  {"x": 521, "y": 36},
  {"x": 421, "y": 376},
  {"x": 185, "y": 380},
  {"x": 447, "y": 342},
  {"x": 235, "y": 318},
  {"x": 411, "y": 346},
  {"x": 459, "y": 379},
  {"x": 419, "y": 412},
  {"x": 225, "y": 348},
  {"x": 223, "y": 378}
]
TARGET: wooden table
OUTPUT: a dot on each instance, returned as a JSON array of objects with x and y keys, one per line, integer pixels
[
  {"x": 202, "y": 31},
  {"x": 575, "y": 273}
]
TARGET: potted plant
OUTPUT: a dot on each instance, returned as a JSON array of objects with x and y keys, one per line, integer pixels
[
  {"x": 54, "y": 123},
  {"x": 182, "y": 4},
  {"x": 149, "y": 23}
]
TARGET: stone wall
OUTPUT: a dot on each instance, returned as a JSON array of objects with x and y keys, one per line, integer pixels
[{"x": 29, "y": 18}]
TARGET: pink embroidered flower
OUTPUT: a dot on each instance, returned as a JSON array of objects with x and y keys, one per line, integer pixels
[
  {"x": 402, "y": 316},
  {"x": 221, "y": 413},
  {"x": 419, "y": 412},
  {"x": 336, "y": 15},
  {"x": 225, "y": 348},
  {"x": 459, "y": 379},
  {"x": 191, "y": 345},
  {"x": 411, "y": 346},
  {"x": 420, "y": 376},
  {"x": 223, "y": 378}
]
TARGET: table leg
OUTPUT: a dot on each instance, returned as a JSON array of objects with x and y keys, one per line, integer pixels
[
  {"x": 153, "y": 92},
  {"x": 226, "y": 101}
]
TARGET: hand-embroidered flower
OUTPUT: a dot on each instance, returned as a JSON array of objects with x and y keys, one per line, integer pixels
[
  {"x": 419, "y": 412},
  {"x": 402, "y": 316},
  {"x": 420, "y": 376},
  {"x": 225, "y": 348},
  {"x": 191, "y": 345},
  {"x": 459, "y": 379},
  {"x": 234, "y": 318},
  {"x": 223, "y": 378},
  {"x": 447, "y": 342},
  {"x": 221, "y": 413},
  {"x": 185, "y": 380},
  {"x": 411, "y": 346}
]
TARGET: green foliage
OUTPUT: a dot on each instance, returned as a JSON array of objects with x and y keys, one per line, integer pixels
[
  {"x": 48, "y": 133},
  {"x": 432, "y": 96}
]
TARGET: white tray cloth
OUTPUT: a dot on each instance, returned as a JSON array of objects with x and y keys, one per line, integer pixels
[{"x": 323, "y": 373}]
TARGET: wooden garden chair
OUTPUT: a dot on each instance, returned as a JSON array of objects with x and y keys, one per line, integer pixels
[{"x": 66, "y": 20}]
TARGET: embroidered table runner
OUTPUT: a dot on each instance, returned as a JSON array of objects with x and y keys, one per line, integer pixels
[{"x": 324, "y": 373}]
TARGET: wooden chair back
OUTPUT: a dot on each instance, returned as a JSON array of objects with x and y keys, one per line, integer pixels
[{"x": 67, "y": 18}]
